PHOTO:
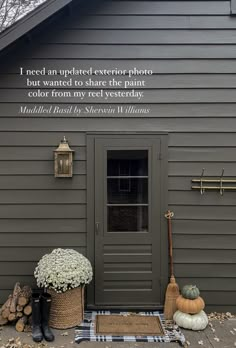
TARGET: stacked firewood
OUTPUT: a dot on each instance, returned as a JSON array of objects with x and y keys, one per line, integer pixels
[{"x": 18, "y": 308}]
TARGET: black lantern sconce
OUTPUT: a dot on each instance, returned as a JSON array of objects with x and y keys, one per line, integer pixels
[{"x": 63, "y": 160}]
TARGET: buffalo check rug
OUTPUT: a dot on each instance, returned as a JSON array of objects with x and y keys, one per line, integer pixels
[{"x": 86, "y": 331}]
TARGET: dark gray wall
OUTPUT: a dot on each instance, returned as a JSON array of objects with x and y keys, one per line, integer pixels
[{"x": 190, "y": 46}]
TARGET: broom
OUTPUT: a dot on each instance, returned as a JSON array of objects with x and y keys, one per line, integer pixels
[{"x": 172, "y": 291}]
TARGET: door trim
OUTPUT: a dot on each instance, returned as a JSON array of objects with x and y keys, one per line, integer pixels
[{"x": 91, "y": 136}]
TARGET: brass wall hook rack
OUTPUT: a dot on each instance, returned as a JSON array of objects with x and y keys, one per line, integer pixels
[
  {"x": 202, "y": 189},
  {"x": 219, "y": 183}
]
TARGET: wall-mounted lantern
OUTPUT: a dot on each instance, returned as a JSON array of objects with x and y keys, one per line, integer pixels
[{"x": 63, "y": 160}]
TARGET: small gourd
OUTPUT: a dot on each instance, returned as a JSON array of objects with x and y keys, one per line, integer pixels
[
  {"x": 194, "y": 322},
  {"x": 190, "y": 306},
  {"x": 190, "y": 292}
]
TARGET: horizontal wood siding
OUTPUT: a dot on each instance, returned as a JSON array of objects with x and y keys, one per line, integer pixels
[
  {"x": 129, "y": 36},
  {"x": 190, "y": 46},
  {"x": 126, "y": 51},
  {"x": 156, "y": 82},
  {"x": 151, "y": 21},
  {"x": 160, "y": 96},
  {"x": 166, "y": 7},
  {"x": 159, "y": 66},
  {"x": 38, "y": 212}
]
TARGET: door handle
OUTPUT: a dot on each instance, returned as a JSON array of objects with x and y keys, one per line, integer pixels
[{"x": 97, "y": 227}]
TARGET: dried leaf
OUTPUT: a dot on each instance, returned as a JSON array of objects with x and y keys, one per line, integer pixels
[
  {"x": 232, "y": 332},
  {"x": 64, "y": 333},
  {"x": 188, "y": 343},
  {"x": 42, "y": 345},
  {"x": 216, "y": 339},
  {"x": 200, "y": 342},
  {"x": 220, "y": 316}
]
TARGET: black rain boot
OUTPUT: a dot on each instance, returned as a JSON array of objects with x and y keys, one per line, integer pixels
[
  {"x": 37, "y": 334},
  {"x": 45, "y": 312}
]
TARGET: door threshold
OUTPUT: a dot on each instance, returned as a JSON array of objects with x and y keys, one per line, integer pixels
[{"x": 125, "y": 307}]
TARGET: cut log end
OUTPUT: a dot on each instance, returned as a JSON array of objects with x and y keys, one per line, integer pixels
[
  {"x": 12, "y": 317},
  {"x": 21, "y": 323},
  {"x": 19, "y": 314},
  {"x": 5, "y": 310},
  {"x": 3, "y": 321},
  {"x": 23, "y": 301},
  {"x": 28, "y": 310},
  {"x": 19, "y": 308},
  {"x": 5, "y": 313}
]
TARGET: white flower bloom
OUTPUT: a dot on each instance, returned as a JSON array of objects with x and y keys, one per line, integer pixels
[{"x": 63, "y": 269}]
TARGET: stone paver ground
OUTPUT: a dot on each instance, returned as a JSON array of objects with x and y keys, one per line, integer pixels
[{"x": 217, "y": 335}]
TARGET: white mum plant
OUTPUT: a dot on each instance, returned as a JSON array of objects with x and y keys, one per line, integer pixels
[{"x": 63, "y": 269}]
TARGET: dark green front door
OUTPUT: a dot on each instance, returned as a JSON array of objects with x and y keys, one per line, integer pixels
[{"x": 128, "y": 221}]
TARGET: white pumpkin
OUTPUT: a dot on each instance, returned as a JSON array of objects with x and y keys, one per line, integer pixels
[{"x": 194, "y": 322}]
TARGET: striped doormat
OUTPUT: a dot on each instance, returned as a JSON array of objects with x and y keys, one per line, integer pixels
[{"x": 86, "y": 331}]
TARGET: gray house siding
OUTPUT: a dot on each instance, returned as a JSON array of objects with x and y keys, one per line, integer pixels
[{"x": 190, "y": 46}]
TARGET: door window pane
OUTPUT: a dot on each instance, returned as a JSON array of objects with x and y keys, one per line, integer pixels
[
  {"x": 127, "y": 218},
  {"x": 127, "y": 190},
  {"x": 130, "y": 190},
  {"x": 127, "y": 163}
]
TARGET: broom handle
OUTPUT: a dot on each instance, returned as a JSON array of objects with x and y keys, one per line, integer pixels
[
  {"x": 169, "y": 215},
  {"x": 171, "y": 247}
]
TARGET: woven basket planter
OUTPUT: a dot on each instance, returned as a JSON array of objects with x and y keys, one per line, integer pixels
[{"x": 67, "y": 308}]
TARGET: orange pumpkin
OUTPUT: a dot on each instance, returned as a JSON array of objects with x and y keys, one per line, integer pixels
[{"x": 190, "y": 306}]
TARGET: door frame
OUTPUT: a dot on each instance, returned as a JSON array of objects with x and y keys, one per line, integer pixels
[{"x": 90, "y": 140}]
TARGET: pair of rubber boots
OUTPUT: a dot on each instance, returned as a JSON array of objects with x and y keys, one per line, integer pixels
[{"x": 41, "y": 304}]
